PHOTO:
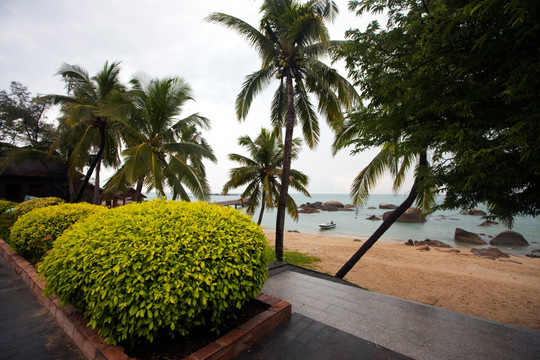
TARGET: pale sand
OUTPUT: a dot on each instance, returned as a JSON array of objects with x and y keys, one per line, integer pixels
[{"x": 506, "y": 290}]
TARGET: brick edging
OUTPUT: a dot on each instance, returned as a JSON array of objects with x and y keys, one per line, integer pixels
[{"x": 93, "y": 347}]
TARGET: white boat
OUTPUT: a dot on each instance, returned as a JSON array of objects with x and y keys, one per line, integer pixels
[{"x": 329, "y": 225}]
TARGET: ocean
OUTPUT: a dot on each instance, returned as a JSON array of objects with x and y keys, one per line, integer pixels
[{"x": 440, "y": 225}]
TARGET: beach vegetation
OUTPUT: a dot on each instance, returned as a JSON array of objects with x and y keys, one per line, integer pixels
[
  {"x": 261, "y": 173},
  {"x": 6, "y": 205},
  {"x": 291, "y": 40},
  {"x": 35, "y": 232},
  {"x": 91, "y": 117},
  {"x": 22, "y": 119},
  {"x": 7, "y": 218},
  {"x": 163, "y": 152},
  {"x": 36, "y": 203},
  {"x": 157, "y": 268},
  {"x": 294, "y": 257},
  {"x": 450, "y": 90}
]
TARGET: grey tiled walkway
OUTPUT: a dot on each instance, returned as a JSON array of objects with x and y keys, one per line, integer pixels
[
  {"x": 408, "y": 328},
  {"x": 27, "y": 330}
]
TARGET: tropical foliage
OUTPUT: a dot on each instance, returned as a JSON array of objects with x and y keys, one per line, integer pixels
[
  {"x": 291, "y": 39},
  {"x": 162, "y": 149},
  {"x": 261, "y": 173},
  {"x": 91, "y": 121},
  {"x": 157, "y": 268},
  {"x": 22, "y": 119},
  {"x": 456, "y": 82},
  {"x": 35, "y": 232}
]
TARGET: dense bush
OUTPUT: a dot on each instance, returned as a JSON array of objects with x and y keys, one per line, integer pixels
[
  {"x": 27, "y": 206},
  {"x": 157, "y": 268},
  {"x": 7, "y": 218},
  {"x": 34, "y": 233},
  {"x": 6, "y": 205}
]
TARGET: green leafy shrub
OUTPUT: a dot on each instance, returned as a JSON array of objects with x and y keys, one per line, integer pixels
[
  {"x": 7, "y": 218},
  {"x": 27, "y": 206},
  {"x": 6, "y": 205},
  {"x": 35, "y": 232},
  {"x": 157, "y": 268}
]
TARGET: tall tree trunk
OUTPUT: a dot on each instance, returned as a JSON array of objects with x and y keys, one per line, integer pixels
[
  {"x": 286, "y": 170},
  {"x": 385, "y": 225},
  {"x": 263, "y": 203},
  {"x": 97, "y": 190},
  {"x": 138, "y": 190},
  {"x": 93, "y": 164},
  {"x": 71, "y": 190}
]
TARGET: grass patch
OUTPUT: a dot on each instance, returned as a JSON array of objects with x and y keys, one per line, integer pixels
[{"x": 294, "y": 258}]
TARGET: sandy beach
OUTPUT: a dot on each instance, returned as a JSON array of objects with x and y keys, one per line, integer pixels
[{"x": 504, "y": 290}]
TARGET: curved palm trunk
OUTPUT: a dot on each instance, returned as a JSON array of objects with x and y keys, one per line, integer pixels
[
  {"x": 262, "y": 207},
  {"x": 138, "y": 190},
  {"x": 93, "y": 165},
  {"x": 286, "y": 170},
  {"x": 385, "y": 225},
  {"x": 97, "y": 192}
]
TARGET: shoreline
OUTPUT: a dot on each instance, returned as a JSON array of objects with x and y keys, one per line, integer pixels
[{"x": 504, "y": 290}]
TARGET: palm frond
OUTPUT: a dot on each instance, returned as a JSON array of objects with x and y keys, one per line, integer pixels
[
  {"x": 306, "y": 115},
  {"x": 253, "y": 85}
]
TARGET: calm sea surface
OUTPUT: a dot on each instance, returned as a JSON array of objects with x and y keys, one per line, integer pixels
[{"x": 439, "y": 226}]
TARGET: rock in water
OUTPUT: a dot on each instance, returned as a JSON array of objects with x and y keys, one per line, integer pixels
[
  {"x": 387, "y": 206},
  {"x": 373, "y": 217},
  {"x": 411, "y": 215},
  {"x": 488, "y": 223},
  {"x": 332, "y": 206},
  {"x": 467, "y": 237},
  {"x": 477, "y": 212},
  {"x": 491, "y": 253},
  {"x": 510, "y": 238}
]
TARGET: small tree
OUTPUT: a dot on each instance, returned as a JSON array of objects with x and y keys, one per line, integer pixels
[
  {"x": 458, "y": 81},
  {"x": 261, "y": 172},
  {"x": 291, "y": 39},
  {"x": 163, "y": 150}
]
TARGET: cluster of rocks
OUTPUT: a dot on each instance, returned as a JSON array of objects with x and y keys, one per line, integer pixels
[
  {"x": 505, "y": 238},
  {"x": 427, "y": 242},
  {"x": 475, "y": 212},
  {"x": 492, "y": 253},
  {"x": 316, "y": 207},
  {"x": 411, "y": 215}
]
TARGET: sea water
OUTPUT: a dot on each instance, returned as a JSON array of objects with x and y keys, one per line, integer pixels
[{"x": 440, "y": 225}]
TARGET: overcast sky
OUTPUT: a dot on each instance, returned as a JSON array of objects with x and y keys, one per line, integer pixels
[{"x": 168, "y": 38}]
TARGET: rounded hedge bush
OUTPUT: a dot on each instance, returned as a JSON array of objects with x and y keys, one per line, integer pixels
[
  {"x": 7, "y": 218},
  {"x": 27, "y": 206},
  {"x": 35, "y": 232},
  {"x": 158, "y": 268},
  {"x": 6, "y": 205}
]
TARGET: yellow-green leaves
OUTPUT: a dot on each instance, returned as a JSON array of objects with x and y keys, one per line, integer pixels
[
  {"x": 158, "y": 267},
  {"x": 35, "y": 232}
]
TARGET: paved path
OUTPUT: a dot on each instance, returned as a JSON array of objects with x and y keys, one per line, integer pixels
[
  {"x": 27, "y": 330},
  {"x": 399, "y": 326}
]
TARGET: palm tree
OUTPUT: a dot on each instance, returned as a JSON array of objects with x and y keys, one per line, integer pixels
[
  {"x": 291, "y": 39},
  {"x": 388, "y": 159},
  {"x": 163, "y": 150},
  {"x": 89, "y": 117},
  {"x": 261, "y": 173}
]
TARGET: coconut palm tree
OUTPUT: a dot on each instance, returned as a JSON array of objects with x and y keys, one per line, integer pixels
[
  {"x": 388, "y": 159},
  {"x": 261, "y": 172},
  {"x": 162, "y": 150},
  {"x": 292, "y": 37},
  {"x": 89, "y": 117}
]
